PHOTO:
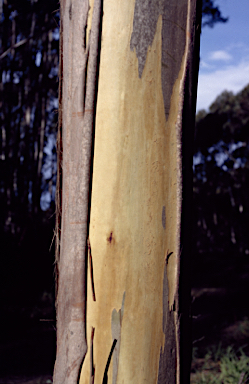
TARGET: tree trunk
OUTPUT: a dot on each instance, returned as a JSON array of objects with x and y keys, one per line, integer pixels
[{"x": 120, "y": 312}]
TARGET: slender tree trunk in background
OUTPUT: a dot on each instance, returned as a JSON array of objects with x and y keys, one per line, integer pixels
[{"x": 121, "y": 316}]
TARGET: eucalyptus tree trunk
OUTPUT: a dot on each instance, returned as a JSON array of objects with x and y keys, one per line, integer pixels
[{"x": 127, "y": 103}]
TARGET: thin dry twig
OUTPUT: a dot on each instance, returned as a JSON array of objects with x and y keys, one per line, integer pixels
[{"x": 241, "y": 378}]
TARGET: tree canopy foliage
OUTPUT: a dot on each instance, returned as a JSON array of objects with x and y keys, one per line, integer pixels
[
  {"x": 211, "y": 14},
  {"x": 221, "y": 175}
]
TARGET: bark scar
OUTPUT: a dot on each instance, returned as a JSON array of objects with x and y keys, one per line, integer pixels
[
  {"x": 92, "y": 366},
  {"x": 91, "y": 268}
]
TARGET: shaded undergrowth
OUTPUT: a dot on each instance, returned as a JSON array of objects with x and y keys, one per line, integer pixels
[{"x": 220, "y": 366}]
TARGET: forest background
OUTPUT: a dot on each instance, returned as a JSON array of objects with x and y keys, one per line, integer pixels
[{"x": 29, "y": 55}]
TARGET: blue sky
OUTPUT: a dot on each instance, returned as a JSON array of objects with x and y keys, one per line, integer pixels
[{"x": 224, "y": 63}]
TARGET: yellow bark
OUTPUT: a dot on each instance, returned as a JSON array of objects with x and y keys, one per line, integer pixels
[{"x": 135, "y": 207}]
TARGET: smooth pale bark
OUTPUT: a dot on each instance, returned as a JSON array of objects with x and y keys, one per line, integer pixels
[{"x": 138, "y": 230}]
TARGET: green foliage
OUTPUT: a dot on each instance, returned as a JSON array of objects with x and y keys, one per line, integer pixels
[
  {"x": 221, "y": 175},
  {"x": 227, "y": 120},
  {"x": 211, "y": 14},
  {"x": 220, "y": 366},
  {"x": 232, "y": 365}
]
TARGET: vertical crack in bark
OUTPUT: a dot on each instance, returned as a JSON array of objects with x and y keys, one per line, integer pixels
[
  {"x": 92, "y": 366},
  {"x": 91, "y": 269},
  {"x": 105, "y": 378}
]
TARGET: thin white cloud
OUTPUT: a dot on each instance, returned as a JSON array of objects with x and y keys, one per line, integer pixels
[
  {"x": 220, "y": 56},
  {"x": 205, "y": 65},
  {"x": 210, "y": 85}
]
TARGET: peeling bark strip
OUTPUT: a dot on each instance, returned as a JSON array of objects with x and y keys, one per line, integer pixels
[
  {"x": 79, "y": 81},
  {"x": 179, "y": 61},
  {"x": 174, "y": 50}
]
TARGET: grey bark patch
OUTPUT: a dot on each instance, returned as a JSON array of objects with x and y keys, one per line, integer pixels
[
  {"x": 164, "y": 217},
  {"x": 174, "y": 20},
  {"x": 167, "y": 362},
  {"x": 173, "y": 45},
  {"x": 145, "y": 18},
  {"x": 116, "y": 334}
]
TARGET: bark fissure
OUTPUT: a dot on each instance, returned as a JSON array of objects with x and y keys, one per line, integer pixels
[
  {"x": 92, "y": 366},
  {"x": 91, "y": 269},
  {"x": 105, "y": 378}
]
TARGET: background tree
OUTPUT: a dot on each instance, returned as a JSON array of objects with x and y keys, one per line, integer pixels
[
  {"x": 29, "y": 37},
  {"x": 29, "y": 66},
  {"x": 220, "y": 224},
  {"x": 221, "y": 174}
]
